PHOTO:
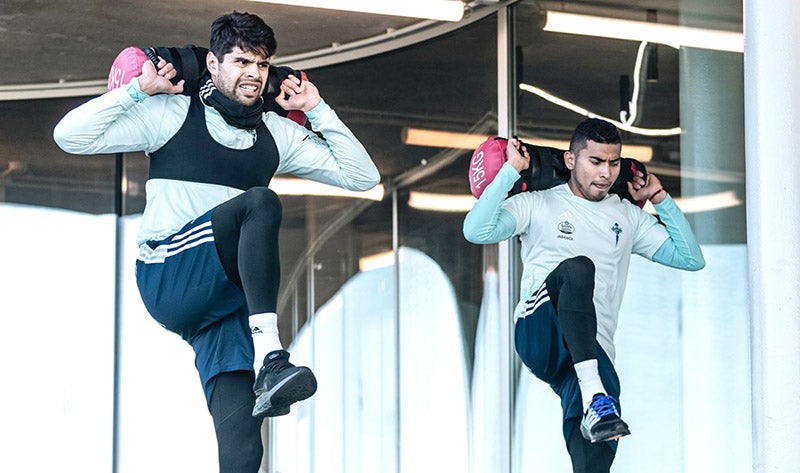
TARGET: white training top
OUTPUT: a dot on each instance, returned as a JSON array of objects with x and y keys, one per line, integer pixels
[{"x": 555, "y": 224}]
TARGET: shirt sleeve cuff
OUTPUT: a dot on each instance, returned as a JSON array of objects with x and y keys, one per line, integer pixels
[
  {"x": 314, "y": 112},
  {"x": 134, "y": 91},
  {"x": 665, "y": 205}
]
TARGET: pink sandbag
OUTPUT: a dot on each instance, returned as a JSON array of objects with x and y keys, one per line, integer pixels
[
  {"x": 126, "y": 66},
  {"x": 486, "y": 162}
]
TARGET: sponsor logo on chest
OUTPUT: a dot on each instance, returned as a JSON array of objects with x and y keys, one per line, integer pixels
[{"x": 566, "y": 229}]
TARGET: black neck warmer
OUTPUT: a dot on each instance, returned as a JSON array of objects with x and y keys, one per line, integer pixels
[{"x": 235, "y": 114}]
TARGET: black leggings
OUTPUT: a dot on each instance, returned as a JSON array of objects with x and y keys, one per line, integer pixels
[
  {"x": 239, "y": 442},
  {"x": 246, "y": 236},
  {"x": 588, "y": 457},
  {"x": 571, "y": 286}
]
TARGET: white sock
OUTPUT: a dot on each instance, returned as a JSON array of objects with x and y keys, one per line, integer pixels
[
  {"x": 589, "y": 381},
  {"x": 264, "y": 329}
]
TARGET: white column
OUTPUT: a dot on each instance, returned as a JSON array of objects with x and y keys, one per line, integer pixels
[
  {"x": 507, "y": 254},
  {"x": 772, "y": 128}
]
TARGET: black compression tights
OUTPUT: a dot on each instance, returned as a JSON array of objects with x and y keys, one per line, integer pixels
[
  {"x": 246, "y": 235},
  {"x": 588, "y": 457},
  {"x": 571, "y": 286},
  {"x": 238, "y": 432}
]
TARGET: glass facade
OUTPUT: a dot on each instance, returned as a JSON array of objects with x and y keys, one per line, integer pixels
[
  {"x": 401, "y": 319},
  {"x": 393, "y": 297},
  {"x": 682, "y": 337}
]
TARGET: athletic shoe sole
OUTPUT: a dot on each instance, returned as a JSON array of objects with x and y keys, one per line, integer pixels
[
  {"x": 296, "y": 387},
  {"x": 608, "y": 433}
]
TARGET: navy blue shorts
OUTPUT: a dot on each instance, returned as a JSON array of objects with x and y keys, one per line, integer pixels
[
  {"x": 540, "y": 345},
  {"x": 185, "y": 289}
]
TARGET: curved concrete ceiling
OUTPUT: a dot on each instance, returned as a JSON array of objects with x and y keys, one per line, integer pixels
[{"x": 60, "y": 49}]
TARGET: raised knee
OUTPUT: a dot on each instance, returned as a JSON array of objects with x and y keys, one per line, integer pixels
[
  {"x": 579, "y": 267},
  {"x": 264, "y": 198}
]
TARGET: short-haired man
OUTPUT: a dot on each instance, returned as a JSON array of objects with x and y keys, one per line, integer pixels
[
  {"x": 208, "y": 265},
  {"x": 576, "y": 244}
]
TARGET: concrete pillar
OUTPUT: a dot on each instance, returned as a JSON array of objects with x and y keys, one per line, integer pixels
[{"x": 772, "y": 125}]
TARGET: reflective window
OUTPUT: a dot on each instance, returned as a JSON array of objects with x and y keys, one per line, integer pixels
[
  {"x": 400, "y": 318},
  {"x": 57, "y": 295},
  {"x": 681, "y": 336},
  {"x": 392, "y": 288}
]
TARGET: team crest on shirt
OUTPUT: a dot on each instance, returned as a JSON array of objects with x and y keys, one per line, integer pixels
[
  {"x": 566, "y": 228},
  {"x": 617, "y": 230}
]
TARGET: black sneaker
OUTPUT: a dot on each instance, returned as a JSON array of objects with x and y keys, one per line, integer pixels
[
  {"x": 601, "y": 421},
  {"x": 280, "y": 384}
]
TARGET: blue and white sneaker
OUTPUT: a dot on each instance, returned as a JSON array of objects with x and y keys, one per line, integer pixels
[
  {"x": 280, "y": 384},
  {"x": 601, "y": 421}
]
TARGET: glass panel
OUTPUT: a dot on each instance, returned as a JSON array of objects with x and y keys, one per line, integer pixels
[
  {"x": 57, "y": 289},
  {"x": 369, "y": 416},
  {"x": 448, "y": 390},
  {"x": 676, "y": 342},
  {"x": 59, "y": 212},
  {"x": 34, "y": 171},
  {"x": 346, "y": 325},
  {"x": 132, "y": 182},
  {"x": 715, "y": 323},
  {"x": 157, "y": 385}
]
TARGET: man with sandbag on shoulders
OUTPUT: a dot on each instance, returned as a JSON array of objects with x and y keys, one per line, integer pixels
[
  {"x": 208, "y": 266},
  {"x": 577, "y": 239}
]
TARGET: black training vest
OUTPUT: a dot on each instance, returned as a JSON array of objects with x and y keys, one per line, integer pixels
[{"x": 193, "y": 155}]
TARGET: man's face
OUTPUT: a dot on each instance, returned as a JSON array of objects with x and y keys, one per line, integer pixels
[
  {"x": 241, "y": 76},
  {"x": 594, "y": 168}
]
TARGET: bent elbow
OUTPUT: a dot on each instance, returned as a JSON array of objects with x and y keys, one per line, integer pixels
[
  {"x": 60, "y": 137},
  {"x": 374, "y": 181},
  {"x": 66, "y": 141},
  {"x": 698, "y": 265},
  {"x": 363, "y": 185},
  {"x": 365, "y": 180},
  {"x": 471, "y": 234},
  {"x": 374, "y": 177}
]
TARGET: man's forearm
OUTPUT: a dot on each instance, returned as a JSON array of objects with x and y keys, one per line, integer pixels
[
  {"x": 488, "y": 222},
  {"x": 681, "y": 249},
  {"x": 339, "y": 159}
]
